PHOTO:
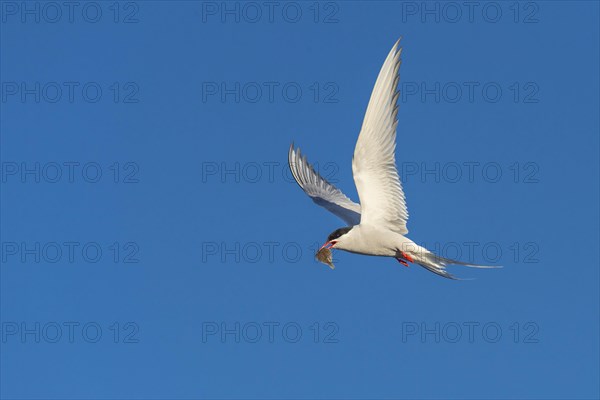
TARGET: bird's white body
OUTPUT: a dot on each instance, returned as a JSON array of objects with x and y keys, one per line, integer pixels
[
  {"x": 377, "y": 226},
  {"x": 374, "y": 241}
]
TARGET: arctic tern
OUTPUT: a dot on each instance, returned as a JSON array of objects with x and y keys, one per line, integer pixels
[{"x": 376, "y": 226}]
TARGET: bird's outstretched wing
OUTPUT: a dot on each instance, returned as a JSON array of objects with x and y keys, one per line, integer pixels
[
  {"x": 320, "y": 191},
  {"x": 374, "y": 163}
]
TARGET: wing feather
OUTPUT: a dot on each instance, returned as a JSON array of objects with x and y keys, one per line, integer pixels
[
  {"x": 320, "y": 190},
  {"x": 374, "y": 164}
]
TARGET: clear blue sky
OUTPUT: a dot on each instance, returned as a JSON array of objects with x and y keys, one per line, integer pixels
[{"x": 153, "y": 245}]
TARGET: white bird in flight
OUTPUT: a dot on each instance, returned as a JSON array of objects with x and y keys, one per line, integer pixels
[{"x": 377, "y": 226}]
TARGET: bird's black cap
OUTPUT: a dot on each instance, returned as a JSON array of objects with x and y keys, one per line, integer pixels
[{"x": 338, "y": 232}]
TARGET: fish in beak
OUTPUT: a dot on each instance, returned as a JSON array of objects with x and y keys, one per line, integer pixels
[{"x": 324, "y": 254}]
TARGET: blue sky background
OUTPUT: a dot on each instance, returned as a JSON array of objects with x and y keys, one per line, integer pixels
[{"x": 201, "y": 235}]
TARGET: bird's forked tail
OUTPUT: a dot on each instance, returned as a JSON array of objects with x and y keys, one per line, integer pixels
[{"x": 435, "y": 263}]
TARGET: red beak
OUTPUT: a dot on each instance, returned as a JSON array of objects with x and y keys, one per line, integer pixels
[{"x": 328, "y": 245}]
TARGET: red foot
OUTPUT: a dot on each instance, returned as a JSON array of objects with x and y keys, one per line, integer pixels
[
  {"x": 404, "y": 259},
  {"x": 406, "y": 256},
  {"x": 401, "y": 261}
]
